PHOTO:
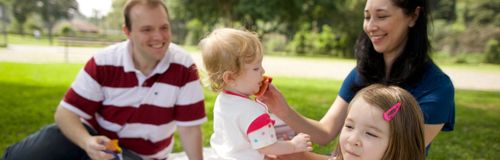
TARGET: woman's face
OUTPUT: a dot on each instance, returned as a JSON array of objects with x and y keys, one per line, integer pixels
[{"x": 387, "y": 26}]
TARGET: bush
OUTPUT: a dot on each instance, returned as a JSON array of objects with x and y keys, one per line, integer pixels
[
  {"x": 323, "y": 42},
  {"x": 492, "y": 50},
  {"x": 274, "y": 42},
  {"x": 456, "y": 38}
]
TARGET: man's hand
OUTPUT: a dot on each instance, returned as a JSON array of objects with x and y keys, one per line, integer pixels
[{"x": 95, "y": 147}]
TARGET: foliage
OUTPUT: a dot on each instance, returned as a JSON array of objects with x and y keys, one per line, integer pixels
[
  {"x": 457, "y": 38},
  {"x": 22, "y": 9},
  {"x": 322, "y": 42},
  {"x": 66, "y": 30},
  {"x": 278, "y": 17},
  {"x": 483, "y": 13},
  {"x": 52, "y": 11},
  {"x": 34, "y": 90},
  {"x": 444, "y": 9},
  {"x": 493, "y": 51},
  {"x": 195, "y": 32}
]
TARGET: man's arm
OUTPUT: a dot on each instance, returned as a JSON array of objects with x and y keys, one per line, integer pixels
[
  {"x": 191, "y": 141},
  {"x": 70, "y": 125}
]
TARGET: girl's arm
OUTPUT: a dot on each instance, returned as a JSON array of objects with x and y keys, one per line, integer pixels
[
  {"x": 321, "y": 132},
  {"x": 299, "y": 143}
]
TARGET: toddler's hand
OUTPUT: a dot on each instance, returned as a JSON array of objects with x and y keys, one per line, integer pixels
[{"x": 302, "y": 142}]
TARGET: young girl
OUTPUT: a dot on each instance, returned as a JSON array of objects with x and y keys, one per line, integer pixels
[
  {"x": 243, "y": 128},
  {"x": 384, "y": 122}
]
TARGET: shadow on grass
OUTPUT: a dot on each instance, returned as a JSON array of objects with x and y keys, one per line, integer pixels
[{"x": 24, "y": 109}]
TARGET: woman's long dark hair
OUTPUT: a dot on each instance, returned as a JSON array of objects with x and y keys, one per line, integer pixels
[{"x": 410, "y": 65}]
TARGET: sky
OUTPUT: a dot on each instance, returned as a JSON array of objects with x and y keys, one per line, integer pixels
[{"x": 86, "y": 7}]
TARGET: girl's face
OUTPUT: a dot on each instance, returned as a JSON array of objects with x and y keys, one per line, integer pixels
[
  {"x": 387, "y": 26},
  {"x": 365, "y": 134},
  {"x": 249, "y": 80}
]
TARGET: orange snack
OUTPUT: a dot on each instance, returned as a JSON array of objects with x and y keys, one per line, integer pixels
[
  {"x": 266, "y": 80},
  {"x": 113, "y": 146}
]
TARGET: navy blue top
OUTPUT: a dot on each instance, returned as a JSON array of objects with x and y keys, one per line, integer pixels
[{"x": 434, "y": 93}]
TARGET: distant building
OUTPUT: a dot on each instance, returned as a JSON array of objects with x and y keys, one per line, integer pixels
[{"x": 84, "y": 27}]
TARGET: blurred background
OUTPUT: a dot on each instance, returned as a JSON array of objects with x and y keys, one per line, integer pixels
[
  {"x": 463, "y": 31},
  {"x": 309, "y": 51}
]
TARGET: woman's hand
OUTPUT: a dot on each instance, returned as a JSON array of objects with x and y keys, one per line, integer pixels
[
  {"x": 275, "y": 101},
  {"x": 299, "y": 156},
  {"x": 293, "y": 156}
]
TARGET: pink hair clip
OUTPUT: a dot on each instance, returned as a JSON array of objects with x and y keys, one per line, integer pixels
[{"x": 389, "y": 114}]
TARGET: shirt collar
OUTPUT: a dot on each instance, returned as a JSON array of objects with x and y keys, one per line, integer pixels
[{"x": 128, "y": 63}]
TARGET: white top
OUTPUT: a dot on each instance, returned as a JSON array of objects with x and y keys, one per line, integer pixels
[{"x": 241, "y": 126}]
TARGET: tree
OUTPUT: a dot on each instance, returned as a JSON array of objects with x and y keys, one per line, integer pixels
[
  {"x": 483, "y": 13},
  {"x": 444, "y": 9},
  {"x": 52, "y": 11},
  {"x": 115, "y": 18},
  {"x": 21, "y": 10}
]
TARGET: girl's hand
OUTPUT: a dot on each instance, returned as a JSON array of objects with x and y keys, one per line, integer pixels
[
  {"x": 302, "y": 143},
  {"x": 275, "y": 101}
]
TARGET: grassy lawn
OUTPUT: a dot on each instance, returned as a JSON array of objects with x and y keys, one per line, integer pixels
[{"x": 31, "y": 93}]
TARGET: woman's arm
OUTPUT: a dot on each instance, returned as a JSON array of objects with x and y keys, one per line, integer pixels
[
  {"x": 431, "y": 131},
  {"x": 300, "y": 156},
  {"x": 321, "y": 132}
]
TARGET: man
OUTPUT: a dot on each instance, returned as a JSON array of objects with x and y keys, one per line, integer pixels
[{"x": 137, "y": 91}]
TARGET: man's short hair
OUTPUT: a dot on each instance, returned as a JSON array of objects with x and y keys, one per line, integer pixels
[{"x": 131, "y": 3}]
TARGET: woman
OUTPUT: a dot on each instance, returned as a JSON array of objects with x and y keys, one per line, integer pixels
[{"x": 393, "y": 49}]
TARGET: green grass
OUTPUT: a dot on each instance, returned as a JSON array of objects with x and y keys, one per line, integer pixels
[{"x": 31, "y": 92}]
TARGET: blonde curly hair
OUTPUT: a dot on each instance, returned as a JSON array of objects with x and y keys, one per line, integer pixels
[{"x": 228, "y": 49}]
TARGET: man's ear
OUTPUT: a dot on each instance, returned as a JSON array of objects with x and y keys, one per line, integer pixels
[
  {"x": 414, "y": 17},
  {"x": 125, "y": 30}
]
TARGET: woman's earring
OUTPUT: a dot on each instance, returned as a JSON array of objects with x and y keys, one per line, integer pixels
[{"x": 411, "y": 25}]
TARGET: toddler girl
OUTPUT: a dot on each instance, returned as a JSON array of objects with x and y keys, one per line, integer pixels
[{"x": 243, "y": 128}]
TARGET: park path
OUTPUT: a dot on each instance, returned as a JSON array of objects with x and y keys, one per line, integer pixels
[{"x": 275, "y": 66}]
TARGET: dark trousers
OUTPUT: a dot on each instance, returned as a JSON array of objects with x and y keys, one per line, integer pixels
[{"x": 49, "y": 143}]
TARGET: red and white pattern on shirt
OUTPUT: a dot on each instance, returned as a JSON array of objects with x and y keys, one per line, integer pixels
[{"x": 143, "y": 117}]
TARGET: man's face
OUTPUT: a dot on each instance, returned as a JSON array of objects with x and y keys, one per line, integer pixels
[{"x": 150, "y": 32}]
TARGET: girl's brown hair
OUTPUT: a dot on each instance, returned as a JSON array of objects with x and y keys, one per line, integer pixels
[
  {"x": 406, "y": 140},
  {"x": 228, "y": 49}
]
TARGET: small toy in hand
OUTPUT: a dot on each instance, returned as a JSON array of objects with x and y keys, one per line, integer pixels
[
  {"x": 113, "y": 147},
  {"x": 266, "y": 80}
]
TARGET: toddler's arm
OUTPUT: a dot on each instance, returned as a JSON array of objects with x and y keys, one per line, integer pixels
[{"x": 299, "y": 143}]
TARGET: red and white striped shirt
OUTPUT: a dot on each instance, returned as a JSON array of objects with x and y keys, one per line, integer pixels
[{"x": 118, "y": 101}]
